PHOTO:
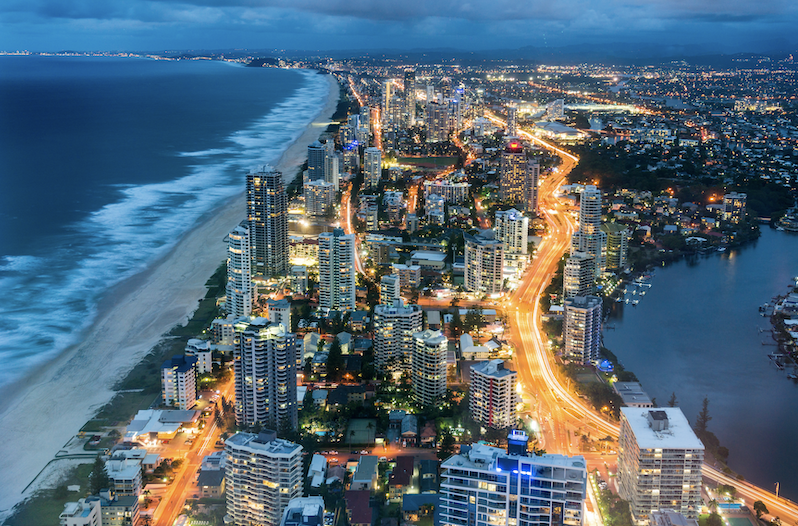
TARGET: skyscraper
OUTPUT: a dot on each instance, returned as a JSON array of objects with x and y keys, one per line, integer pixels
[
  {"x": 579, "y": 275},
  {"x": 390, "y": 289},
  {"x": 317, "y": 154},
  {"x": 263, "y": 474},
  {"x": 179, "y": 382},
  {"x": 239, "y": 292},
  {"x": 519, "y": 179},
  {"x": 512, "y": 122},
  {"x": 484, "y": 263},
  {"x": 488, "y": 486},
  {"x": 428, "y": 366},
  {"x": 319, "y": 197},
  {"x": 410, "y": 98},
  {"x": 267, "y": 213},
  {"x": 492, "y": 395},
  {"x": 394, "y": 327},
  {"x": 372, "y": 167},
  {"x": 660, "y": 461},
  {"x": 331, "y": 164},
  {"x": 387, "y": 101},
  {"x": 264, "y": 363},
  {"x": 590, "y": 238},
  {"x": 512, "y": 229},
  {"x": 582, "y": 328},
  {"x": 337, "y": 270},
  {"x": 437, "y": 122},
  {"x": 617, "y": 245}
]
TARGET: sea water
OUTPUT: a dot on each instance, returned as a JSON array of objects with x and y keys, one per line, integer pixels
[{"x": 105, "y": 163}]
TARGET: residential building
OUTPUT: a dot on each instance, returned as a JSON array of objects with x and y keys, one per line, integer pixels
[
  {"x": 84, "y": 512},
  {"x": 395, "y": 325},
  {"x": 279, "y": 311},
  {"x": 401, "y": 479},
  {"x": 239, "y": 292},
  {"x": 337, "y": 270},
  {"x": 409, "y": 113},
  {"x": 451, "y": 191},
  {"x": 319, "y": 197},
  {"x": 118, "y": 510},
  {"x": 366, "y": 472},
  {"x": 267, "y": 213},
  {"x": 390, "y": 289},
  {"x": 409, "y": 275},
  {"x": 317, "y": 472},
  {"x": 263, "y": 474},
  {"x": 437, "y": 122},
  {"x": 579, "y": 275},
  {"x": 493, "y": 397},
  {"x": 670, "y": 518},
  {"x": 660, "y": 462},
  {"x": 304, "y": 511},
  {"x": 734, "y": 207},
  {"x": 582, "y": 328},
  {"x": 264, "y": 363},
  {"x": 211, "y": 484},
  {"x": 358, "y": 508},
  {"x": 435, "y": 208},
  {"x": 589, "y": 237},
  {"x": 518, "y": 178},
  {"x": 484, "y": 263},
  {"x": 303, "y": 250},
  {"x": 428, "y": 366},
  {"x": 332, "y": 165},
  {"x": 632, "y": 394},
  {"x": 485, "y": 485},
  {"x": 316, "y": 157},
  {"x": 512, "y": 122},
  {"x": 372, "y": 167},
  {"x": 124, "y": 472},
  {"x": 179, "y": 382},
  {"x": 201, "y": 350},
  {"x": 617, "y": 245},
  {"x": 299, "y": 278}
]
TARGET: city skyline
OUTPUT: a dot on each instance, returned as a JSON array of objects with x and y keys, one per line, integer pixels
[{"x": 656, "y": 28}]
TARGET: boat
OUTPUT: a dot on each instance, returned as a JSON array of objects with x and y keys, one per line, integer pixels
[
  {"x": 722, "y": 249},
  {"x": 792, "y": 376}
]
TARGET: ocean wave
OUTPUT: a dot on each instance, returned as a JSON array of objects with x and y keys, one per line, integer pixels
[{"x": 52, "y": 299}]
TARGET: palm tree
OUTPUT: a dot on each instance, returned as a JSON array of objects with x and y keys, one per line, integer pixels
[
  {"x": 370, "y": 427},
  {"x": 712, "y": 505},
  {"x": 351, "y": 436}
]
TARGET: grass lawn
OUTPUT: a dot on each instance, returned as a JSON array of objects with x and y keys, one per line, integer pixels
[{"x": 44, "y": 508}]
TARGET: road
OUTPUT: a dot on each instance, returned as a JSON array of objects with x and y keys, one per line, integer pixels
[{"x": 558, "y": 411}]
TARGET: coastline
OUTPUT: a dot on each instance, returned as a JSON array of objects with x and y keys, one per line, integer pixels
[{"x": 43, "y": 411}]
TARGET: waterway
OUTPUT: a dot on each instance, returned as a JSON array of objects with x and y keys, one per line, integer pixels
[{"x": 696, "y": 333}]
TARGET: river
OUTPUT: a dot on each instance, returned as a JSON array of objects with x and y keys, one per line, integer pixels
[{"x": 696, "y": 333}]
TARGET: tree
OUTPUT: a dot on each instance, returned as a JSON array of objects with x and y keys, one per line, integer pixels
[
  {"x": 714, "y": 519},
  {"x": 457, "y": 323},
  {"x": 335, "y": 361},
  {"x": 760, "y": 509},
  {"x": 672, "y": 402},
  {"x": 447, "y": 444},
  {"x": 703, "y": 418},
  {"x": 351, "y": 436},
  {"x": 98, "y": 478}
]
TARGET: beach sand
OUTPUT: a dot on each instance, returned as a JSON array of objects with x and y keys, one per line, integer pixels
[{"x": 49, "y": 407}]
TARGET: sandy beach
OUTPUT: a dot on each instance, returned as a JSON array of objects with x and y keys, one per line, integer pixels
[{"x": 49, "y": 407}]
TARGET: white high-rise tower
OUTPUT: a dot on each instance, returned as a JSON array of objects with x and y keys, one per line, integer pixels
[
  {"x": 337, "y": 270},
  {"x": 239, "y": 272}
]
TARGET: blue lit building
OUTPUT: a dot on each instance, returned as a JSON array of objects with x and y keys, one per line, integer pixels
[{"x": 485, "y": 485}]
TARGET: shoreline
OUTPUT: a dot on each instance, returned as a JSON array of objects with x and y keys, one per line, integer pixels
[{"x": 48, "y": 407}]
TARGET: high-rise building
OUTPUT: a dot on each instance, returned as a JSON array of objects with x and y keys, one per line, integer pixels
[
  {"x": 451, "y": 191},
  {"x": 492, "y": 394},
  {"x": 437, "y": 122},
  {"x": 203, "y": 352},
  {"x": 617, "y": 245},
  {"x": 512, "y": 122},
  {"x": 409, "y": 275},
  {"x": 579, "y": 275},
  {"x": 317, "y": 154},
  {"x": 319, "y": 198},
  {"x": 331, "y": 164},
  {"x": 487, "y": 486},
  {"x": 428, "y": 366},
  {"x": 660, "y": 461},
  {"x": 239, "y": 293},
  {"x": 84, "y": 512},
  {"x": 279, "y": 311},
  {"x": 734, "y": 207},
  {"x": 582, "y": 328},
  {"x": 390, "y": 289},
  {"x": 394, "y": 327},
  {"x": 512, "y": 229},
  {"x": 372, "y": 167},
  {"x": 267, "y": 213},
  {"x": 387, "y": 101},
  {"x": 264, "y": 363},
  {"x": 179, "y": 382},
  {"x": 410, "y": 98},
  {"x": 484, "y": 263},
  {"x": 337, "y": 270},
  {"x": 589, "y": 237},
  {"x": 435, "y": 208},
  {"x": 519, "y": 179},
  {"x": 263, "y": 474}
]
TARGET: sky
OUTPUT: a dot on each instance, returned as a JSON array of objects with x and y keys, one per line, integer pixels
[{"x": 692, "y": 26}]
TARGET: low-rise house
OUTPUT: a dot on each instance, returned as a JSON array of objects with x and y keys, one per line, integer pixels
[
  {"x": 401, "y": 478},
  {"x": 211, "y": 483},
  {"x": 358, "y": 508}
]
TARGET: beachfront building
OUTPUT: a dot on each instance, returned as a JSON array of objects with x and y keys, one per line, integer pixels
[
  {"x": 734, "y": 207},
  {"x": 316, "y": 157},
  {"x": 202, "y": 351},
  {"x": 372, "y": 167},
  {"x": 124, "y": 472},
  {"x": 579, "y": 275},
  {"x": 319, "y": 196},
  {"x": 179, "y": 382},
  {"x": 263, "y": 474},
  {"x": 582, "y": 328},
  {"x": 84, "y": 512},
  {"x": 617, "y": 245},
  {"x": 428, "y": 366},
  {"x": 239, "y": 291},
  {"x": 332, "y": 164},
  {"x": 264, "y": 363},
  {"x": 492, "y": 394},
  {"x": 267, "y": 213},
  {"x": 486, "y": 485},
  {"x": 390, "y": 289},
  {"x": 484, "y": 263},
  {"x": 589, "y": 237},
  {"x": 394, "y": 327},
  {"x": 337, "y": 271},
  {"x": 660, "y": 460}
]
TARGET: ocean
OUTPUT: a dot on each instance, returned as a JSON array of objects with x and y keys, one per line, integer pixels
[{"x": 106, "y": 162}]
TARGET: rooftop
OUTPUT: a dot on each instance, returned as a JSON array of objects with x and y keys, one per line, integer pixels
[{"x": 677, "y": 435}]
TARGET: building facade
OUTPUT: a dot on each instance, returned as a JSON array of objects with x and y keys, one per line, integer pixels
[
  {"x": 319, "y": 197},
  {"x": 337, "y": 270},
  {"x": 239, "y": 292},
  {"x": 589, "y": 237},
  {"x": 264, "y": 363},
  {"x": 372, "y": 167},
  {"x": 582, "y": 328},
  {"x": 428, "y": 366},
  {"x": 484, "y": 264},
  {"x": 394, "y": 327},
  {"x": 734, "y": 207},
  {"x": 179, "y": 382},
  {"x": 390, "y": 289},
  {"x": 579, "y": 275},
  {"x": 267, "y": 213},
  {"x": 493, "y": 397},
  {"x": 617, "y": 236}
]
